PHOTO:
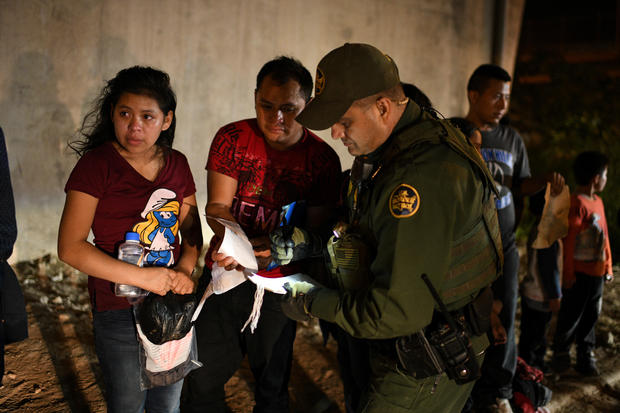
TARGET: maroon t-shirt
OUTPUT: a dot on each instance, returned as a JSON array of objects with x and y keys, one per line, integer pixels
[
  {"x": 130, "y": 202},
  {"x": 268, "y": 179}
]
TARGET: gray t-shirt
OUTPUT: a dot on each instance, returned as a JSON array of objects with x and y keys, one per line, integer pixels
[{"x": 504, "y": 152}]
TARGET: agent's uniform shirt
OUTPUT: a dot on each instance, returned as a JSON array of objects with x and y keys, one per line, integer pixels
[{"x": 420, "y": 206}]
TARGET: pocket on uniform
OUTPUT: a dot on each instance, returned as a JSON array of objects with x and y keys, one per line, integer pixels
[{"x": 396, "y": 392}]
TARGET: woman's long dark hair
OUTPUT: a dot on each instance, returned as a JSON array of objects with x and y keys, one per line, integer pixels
[{"x": 97, "y": 127}]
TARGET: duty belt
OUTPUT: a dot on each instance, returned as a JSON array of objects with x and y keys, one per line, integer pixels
[
  {"x": 444, "y": 346},
  {"x": 387, "y": 347}
]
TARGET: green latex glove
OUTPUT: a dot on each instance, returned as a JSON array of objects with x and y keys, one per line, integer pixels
[
  {"x": 289, "y": 243},
  {"x": 298, "y": 299}
]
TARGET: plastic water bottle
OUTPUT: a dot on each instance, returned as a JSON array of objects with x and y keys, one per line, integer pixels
[{"x": 130, "y": 251}]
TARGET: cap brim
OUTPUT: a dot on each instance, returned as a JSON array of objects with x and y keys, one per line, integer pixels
[{"x": 319, "y": 115}]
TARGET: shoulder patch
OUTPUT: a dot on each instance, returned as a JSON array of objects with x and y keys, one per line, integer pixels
[{"x": 404, "y": 201}]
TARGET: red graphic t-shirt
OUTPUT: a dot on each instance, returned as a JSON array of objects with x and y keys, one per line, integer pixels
[
  {"x": 268, "y": 179},
  {"x": 130, "y": 202}
]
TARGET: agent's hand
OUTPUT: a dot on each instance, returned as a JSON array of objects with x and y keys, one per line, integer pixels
[
  {"x": 289, "y": 243},
  {"x": 299, "y": 288},
  {"x": 182, "y": 283},
  {"x": 298, "y": 299}
]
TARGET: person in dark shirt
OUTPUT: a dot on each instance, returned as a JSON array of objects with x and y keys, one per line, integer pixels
[
  {"x": 14, "y": 324},
  {"x": 503, "y": 149}
]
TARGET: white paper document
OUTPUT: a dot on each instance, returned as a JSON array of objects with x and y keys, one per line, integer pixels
[{"x": 235, "y": 244}]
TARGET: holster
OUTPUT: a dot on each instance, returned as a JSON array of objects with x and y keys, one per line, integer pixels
[
  {"x": 438, "y": 348},
  {"x": 478, "y": 312},
  {"x": 417, "y": 357},
  {"x": 455, "y": 350}
]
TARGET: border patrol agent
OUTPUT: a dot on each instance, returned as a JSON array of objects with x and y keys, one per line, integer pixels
[{"x": 420, "y": 201}]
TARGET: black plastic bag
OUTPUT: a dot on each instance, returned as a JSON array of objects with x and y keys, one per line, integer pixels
[{"x": 166, "y": 318}]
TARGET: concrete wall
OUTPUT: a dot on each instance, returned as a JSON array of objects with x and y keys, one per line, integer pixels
[{"x": 55, "y": 55}]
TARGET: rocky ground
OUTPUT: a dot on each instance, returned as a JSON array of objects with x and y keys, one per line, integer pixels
[{"x": 56, "y": 369}]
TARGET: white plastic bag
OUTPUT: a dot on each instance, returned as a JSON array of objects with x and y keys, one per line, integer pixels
[
  {"x": 553, "y": 223},
  {"x": 167, "y": 363}
]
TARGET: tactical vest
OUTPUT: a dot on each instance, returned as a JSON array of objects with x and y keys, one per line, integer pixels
[
  {"x": 349, "y": 260},
  {"x": 476, "y": 258}
]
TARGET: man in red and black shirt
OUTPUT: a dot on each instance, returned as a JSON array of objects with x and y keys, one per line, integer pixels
[{"x": 255, "y": 167}]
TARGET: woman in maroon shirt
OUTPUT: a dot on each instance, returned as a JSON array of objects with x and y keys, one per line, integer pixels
[{"x": 127, "y": 171}]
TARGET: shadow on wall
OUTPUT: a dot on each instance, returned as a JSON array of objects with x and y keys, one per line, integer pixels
[{"x": 37, "y": 127}]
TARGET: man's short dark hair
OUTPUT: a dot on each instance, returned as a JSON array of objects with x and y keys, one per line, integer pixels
[
  {"x": 481, "y": 76},
  {"x": 587, "y": 165},
  {"x": 282, "y": 69}
]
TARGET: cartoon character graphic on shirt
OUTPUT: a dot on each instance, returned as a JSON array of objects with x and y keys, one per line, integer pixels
[{"x": 159, "y": 230}]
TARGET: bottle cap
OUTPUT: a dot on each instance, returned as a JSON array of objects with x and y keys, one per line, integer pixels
[{"x": 132, "y": 236}]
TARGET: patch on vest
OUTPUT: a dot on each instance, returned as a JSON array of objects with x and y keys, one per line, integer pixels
[{"x": 404, "y": 201}]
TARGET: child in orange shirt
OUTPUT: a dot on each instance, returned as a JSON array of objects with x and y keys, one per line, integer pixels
[{"x": 587, "y": 264}]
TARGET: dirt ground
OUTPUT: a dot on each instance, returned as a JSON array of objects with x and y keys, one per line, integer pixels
[{"x": 56, "y": 370}]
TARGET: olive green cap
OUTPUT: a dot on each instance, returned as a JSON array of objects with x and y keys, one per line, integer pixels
[{"x": 346, "y": 74}]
